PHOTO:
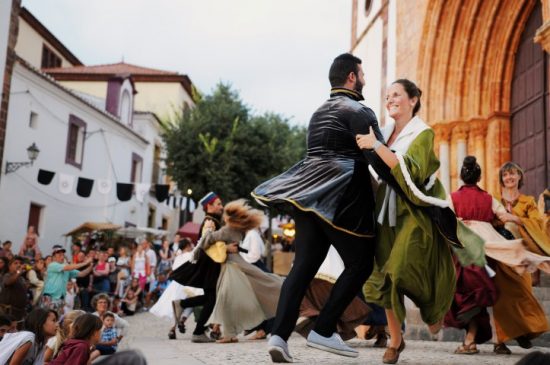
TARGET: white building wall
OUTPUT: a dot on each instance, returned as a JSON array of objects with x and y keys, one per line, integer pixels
[
  {"x": 370, "y": 35},
  {"x": 107, "y": 154}
]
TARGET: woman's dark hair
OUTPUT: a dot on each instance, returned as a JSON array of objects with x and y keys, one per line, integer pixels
[
  {"x": 341, "y": 68},
  {"x": 471, "y": 171},
  {"x": 510, "y": 166},
  {"x": 85, "y": 326},
  {"x": 35, "y": 323},
  {"x": 412, "y": 91}
]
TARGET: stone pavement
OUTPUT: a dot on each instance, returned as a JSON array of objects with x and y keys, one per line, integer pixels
[{"x": 149, "y": 334}]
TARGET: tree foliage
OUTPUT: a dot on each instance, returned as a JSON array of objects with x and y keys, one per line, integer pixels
[{"x": 220, "y": 146}]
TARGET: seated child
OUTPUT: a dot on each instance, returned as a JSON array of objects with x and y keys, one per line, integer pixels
[
  {"x": 129, "y": 302},
  {"x": 108, "y": 343}
]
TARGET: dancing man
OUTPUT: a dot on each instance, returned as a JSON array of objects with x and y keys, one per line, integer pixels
[{"x": 331, "y": 200}]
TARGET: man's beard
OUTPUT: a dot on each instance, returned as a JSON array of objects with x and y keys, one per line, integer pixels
[{"x": 358, "y": 86}]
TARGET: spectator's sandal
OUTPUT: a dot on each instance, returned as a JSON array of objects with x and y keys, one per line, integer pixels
[{"x": 467, "y": 349}]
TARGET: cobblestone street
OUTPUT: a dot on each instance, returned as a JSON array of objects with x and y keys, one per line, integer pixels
[{"x": 149, "y": 334}]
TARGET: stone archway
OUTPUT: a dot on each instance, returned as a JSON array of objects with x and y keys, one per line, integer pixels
[{"x": 465, "y": 67}]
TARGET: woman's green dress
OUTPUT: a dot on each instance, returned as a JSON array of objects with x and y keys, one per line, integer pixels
[{"x": 413, "y": 258}]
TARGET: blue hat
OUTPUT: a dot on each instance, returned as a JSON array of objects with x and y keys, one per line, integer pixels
[{"x": 208, "y": 198}]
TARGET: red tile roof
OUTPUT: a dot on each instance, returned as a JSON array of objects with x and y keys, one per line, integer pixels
[
  {"x": 105, "y": 72},
  {"x": 111, "y": 69}
]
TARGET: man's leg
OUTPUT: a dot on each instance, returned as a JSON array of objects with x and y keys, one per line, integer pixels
[
  {"x": 207, "y": 308},
  {"x": 311, "y": 249},
  {"x": 357, "y": 253}
]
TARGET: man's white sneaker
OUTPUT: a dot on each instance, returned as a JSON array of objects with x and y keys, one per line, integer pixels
[
  {"x": 278, "y": 349},
  {"x": 333, "y": 344}
]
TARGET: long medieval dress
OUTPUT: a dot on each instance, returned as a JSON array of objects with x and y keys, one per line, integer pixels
[
  {"x": 245, "y": 295},
  {"x": 475, "y": 289},
  {"x": 412, "y": 257},
  {"x": 518, "y": 313}
]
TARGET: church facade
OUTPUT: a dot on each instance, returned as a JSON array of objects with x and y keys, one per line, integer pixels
[{"x": 483, "y": 66}]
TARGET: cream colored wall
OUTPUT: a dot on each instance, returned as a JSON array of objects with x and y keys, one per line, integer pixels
[
  {"x": 161, "y": 98},
  {"x": 29, "y": 46},
  {"x": 95, "y": 88}
]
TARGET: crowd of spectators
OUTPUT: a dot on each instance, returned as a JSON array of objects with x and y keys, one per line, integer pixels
[{"x": 54, "y": 308}]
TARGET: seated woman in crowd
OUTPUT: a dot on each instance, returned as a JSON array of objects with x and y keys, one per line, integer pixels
[
  {"x": 102, "y": 304},
  {"x": 28, "y": 346}
]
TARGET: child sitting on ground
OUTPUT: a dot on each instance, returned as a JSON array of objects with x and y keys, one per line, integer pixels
[
  {"x": 129, "y": 302},
  {"x": 108, "y": 343},
  {"x": 85, "y": 333}
]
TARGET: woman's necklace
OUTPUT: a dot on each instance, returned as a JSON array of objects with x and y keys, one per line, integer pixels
[{"x": 510, "y": 198}]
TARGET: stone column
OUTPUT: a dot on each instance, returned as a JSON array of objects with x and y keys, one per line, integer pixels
[
  {"x": 478, "y": 131},
  {"x": 442, "y": 137},
  {"x": 459, "y": 139},
  {"x": 498, "y": 148},
  {"x": 543, "y": 33}
]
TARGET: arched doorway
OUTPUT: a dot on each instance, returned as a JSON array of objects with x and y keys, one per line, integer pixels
[{"x": 529, "y": 108}]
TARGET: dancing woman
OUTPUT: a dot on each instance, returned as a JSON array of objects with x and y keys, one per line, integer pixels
[
  {"x": 412, "y": 257},
  {"x": 246, "y": 295}
]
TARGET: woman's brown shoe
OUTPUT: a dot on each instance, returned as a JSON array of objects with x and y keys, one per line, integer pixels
[
  {"x": 502, "y": 349},
  {"x": 392, "y": 354},
  {"x": 436, "y": 327}
]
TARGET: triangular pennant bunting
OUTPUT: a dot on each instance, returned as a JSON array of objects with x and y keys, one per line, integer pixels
[
  {"x": 84, "y": 187},
  {"x": 45, "y": 177},
  {"x": 66, "y": 183}
]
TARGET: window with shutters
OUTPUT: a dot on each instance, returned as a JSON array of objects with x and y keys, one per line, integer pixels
[
  {"x": 49, "y": 58},
  {"x": 137, "y": 166},
  {"x": 75, "y": 142}
]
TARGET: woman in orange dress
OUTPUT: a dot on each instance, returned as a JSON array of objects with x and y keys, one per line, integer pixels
[{"x": 513, "y": 305}]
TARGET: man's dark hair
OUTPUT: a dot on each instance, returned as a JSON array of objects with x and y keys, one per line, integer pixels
[
  {"x": 5, "y": 320},
  {"x": 341, "y": 68}
]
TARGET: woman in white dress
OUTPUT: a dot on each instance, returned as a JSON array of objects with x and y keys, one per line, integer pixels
[{"x": 168, "y": 305}]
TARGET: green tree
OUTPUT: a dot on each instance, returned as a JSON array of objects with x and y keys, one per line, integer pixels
[{"x": 219, "y": 146}]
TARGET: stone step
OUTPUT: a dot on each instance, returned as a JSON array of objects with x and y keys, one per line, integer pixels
[{"x": 416, "y": 329}]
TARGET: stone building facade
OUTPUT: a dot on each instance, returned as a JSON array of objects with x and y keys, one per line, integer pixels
[{"x": 483, "y": 66}]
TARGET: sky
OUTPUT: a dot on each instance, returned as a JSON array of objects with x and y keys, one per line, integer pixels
[{"x": 275, "y": 53}]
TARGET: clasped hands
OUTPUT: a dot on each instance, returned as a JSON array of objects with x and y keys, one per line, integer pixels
[{"x": 366, "y": 141}]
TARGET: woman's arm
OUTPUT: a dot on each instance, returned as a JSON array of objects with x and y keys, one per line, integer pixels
[
  {"x": 367, "y": 141},
  {"x": 20, "y": 354}
]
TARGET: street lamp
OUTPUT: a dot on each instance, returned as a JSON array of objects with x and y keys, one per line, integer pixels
[
  {"x": 32, "y": 151},
  {"x": 186, "y": 213}
]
